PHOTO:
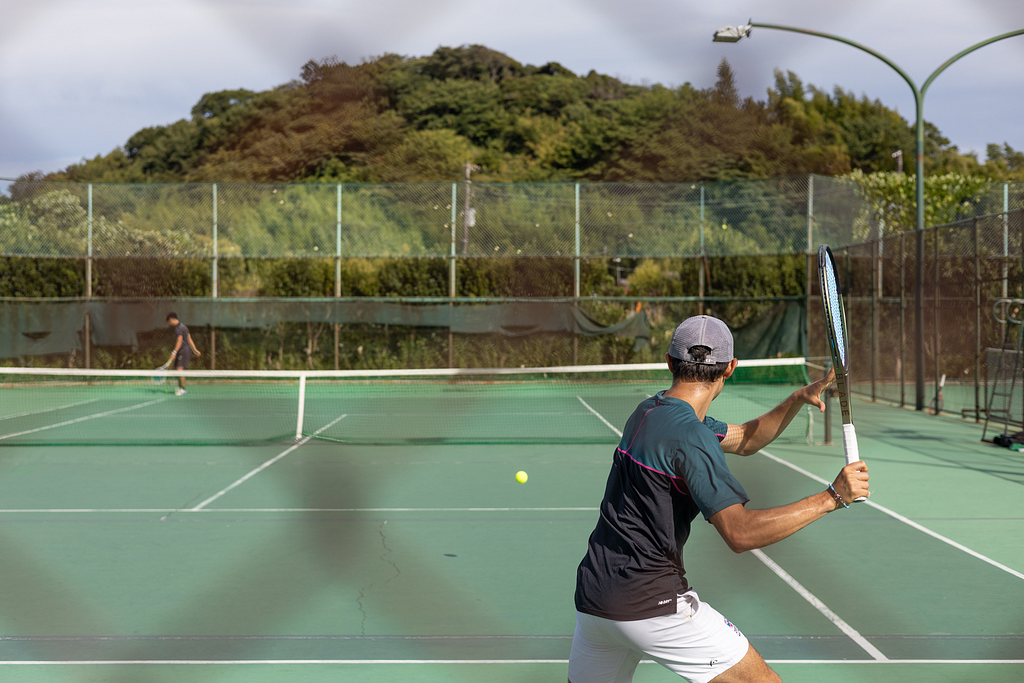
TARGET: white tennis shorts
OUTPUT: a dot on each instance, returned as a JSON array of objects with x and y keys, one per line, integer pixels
[{"x": 696, "y": 643}]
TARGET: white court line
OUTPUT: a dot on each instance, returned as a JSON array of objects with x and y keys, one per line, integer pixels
[
  {"x": 854, "y": 635},
  {"x": 263, "y": 466},
  {"x": 48, "y": 410},
  {"x": 909, "y": 522},
  {"x": 81, "y": 419},
  {"x": 236, "y": 510},
  {"x": 195, "y": 662},
  {"x": 600, "y": 416}
]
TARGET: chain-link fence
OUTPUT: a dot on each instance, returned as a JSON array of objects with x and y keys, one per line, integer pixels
[
  {"x": 224, "y": 220},
  {"x": 967, "y": 267}
]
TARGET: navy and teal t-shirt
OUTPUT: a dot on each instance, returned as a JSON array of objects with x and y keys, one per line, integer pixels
[{"x": 667, "y": 468}]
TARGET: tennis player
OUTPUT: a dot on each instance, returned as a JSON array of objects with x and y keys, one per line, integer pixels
[
  {"x": 184, "y": 347},
  {"x": 632, "y": 597}
]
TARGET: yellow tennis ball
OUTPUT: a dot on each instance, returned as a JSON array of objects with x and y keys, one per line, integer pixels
[{"x": 521, "y": 477}]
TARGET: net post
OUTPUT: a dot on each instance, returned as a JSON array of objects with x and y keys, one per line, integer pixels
[
  {"x": 977, "y": 324},
  {"x": 337, "y": 277},
  {"x": 302, "y": 407}
]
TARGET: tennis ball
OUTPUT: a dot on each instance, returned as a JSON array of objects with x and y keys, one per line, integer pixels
[{"x": 521, "y": 477}]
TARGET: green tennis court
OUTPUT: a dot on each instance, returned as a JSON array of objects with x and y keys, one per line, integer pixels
[{"x": 330, "y": 559}]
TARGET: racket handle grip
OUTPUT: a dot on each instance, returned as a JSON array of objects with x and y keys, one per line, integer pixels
[
  {"x": 850, "y": 444},
  {"x": 851, "y": 449}
]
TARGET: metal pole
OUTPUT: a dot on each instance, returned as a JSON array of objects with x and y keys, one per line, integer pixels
[
  {"x": 576, "y": 279},
  {"x": 903, "y": 320},
  {"x": 700, "y": 260},
  {"x": 215, "y": 283},
  {"x": 919, "y": 400},
  {"x": 451, "y": 280},
  {"x": 1006, "y": 235},
  {"x": 875, "y": 270},
  {"x": 977, "y": 324},
  {"x": 935, "y": 313},
  {"x": 88, "y": 286},
  {"x": 337, "y": 279},
  {"x": 808, "y": 266}
]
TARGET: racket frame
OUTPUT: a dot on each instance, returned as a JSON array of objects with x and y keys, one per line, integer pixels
[{"x": 840, "y": 361}]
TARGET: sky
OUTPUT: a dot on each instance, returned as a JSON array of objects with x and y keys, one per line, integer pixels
[{"x": 78, "y": 77}]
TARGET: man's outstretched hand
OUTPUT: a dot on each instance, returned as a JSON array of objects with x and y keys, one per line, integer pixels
[{"x": 811, "y": 394}]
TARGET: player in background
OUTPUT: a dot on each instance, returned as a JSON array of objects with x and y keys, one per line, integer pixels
[
  {"x": 632, "y": 596},
  {"x": 184, "y": 347}
]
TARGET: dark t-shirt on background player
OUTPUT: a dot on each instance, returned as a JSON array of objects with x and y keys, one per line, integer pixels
[
  {"x": 668, "y": 467},
  {"x": 185, "y": 352}
]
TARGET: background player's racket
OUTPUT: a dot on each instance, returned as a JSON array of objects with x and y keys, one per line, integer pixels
[
  {"x": 838, "y": 343},
  {"x": 159, "y": 379}
]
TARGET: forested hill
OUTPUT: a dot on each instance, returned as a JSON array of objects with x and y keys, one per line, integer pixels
[{"x": 402, "y": 119}]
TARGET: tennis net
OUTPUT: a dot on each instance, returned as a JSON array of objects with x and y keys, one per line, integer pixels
[{"x": 576, "y": 404}]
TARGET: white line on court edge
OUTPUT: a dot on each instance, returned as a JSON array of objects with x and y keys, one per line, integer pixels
[
  {"x": 599, "y": 416},
  {"x": 48, "y": 410},
  {"x": 909, "y": 522},
  {"x": 194, "y": 662},
  {"x": 81, "y": 419},
  {"x": 854, "y": 635},
  {"x": 263, "y": 466}
]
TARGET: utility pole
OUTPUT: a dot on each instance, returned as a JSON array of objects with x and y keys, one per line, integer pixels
[
  {"x": 468, "y": 213},
  {"x": 898, "y": 156}
]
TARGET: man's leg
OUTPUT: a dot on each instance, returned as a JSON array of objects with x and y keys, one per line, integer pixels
[{"x": 751, "y": 669}]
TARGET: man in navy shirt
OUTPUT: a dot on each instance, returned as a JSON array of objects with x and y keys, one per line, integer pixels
[
  {"x": 184, "y": 347},
  {"x": 632, "y": 597}
]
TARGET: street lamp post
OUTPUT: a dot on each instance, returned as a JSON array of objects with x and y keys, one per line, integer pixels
[{"x": 733, "y": 34}]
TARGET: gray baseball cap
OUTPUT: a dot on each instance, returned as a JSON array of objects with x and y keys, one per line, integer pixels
[{"x": 702, "y": 330}]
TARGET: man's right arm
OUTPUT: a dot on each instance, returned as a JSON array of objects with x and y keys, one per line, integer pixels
[{"x": 744, "y": 529}]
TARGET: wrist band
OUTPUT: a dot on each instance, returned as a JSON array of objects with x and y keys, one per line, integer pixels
[{"x": 839, "y": 499}]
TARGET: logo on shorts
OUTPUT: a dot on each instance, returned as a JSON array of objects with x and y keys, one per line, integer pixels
[
  {"x": 729, "y": 624},
  {"x": 713, "y": 662},
  {"x": 664, "y": 602}
]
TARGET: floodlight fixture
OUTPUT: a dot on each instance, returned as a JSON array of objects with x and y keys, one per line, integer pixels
[{"x": 732, "y": 34}]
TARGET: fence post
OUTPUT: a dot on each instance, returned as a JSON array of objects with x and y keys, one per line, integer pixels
[
  {"x": 935, "y": 317},
  {"x": 451, "y": 280},
  {"x": 903, "y": 322},
  {"x": 977, "y": 324},
  {"x": 337, "y": 278},
  {"x": 876, "y": 285},
  {"x": 576, "y": 279},
  {"x": 810, "y": 251},
  {"x": 88, "y": 286},
  {"x": 700, "y": 259},
  {"x": 215, "y": 283},
  {"x": 1006, "y": 235}
]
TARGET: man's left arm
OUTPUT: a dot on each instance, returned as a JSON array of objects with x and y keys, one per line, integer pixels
[{"x": 750, "y": 437}]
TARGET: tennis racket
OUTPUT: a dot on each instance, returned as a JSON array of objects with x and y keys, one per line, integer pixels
[
  {"x": 159, "y": 379},
  {"x": 838, "y": 342}
]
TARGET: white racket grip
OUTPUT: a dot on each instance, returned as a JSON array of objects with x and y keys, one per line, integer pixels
[
  {"x": 851, "y": 449},
  {"x": 850, "y": 444}
]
